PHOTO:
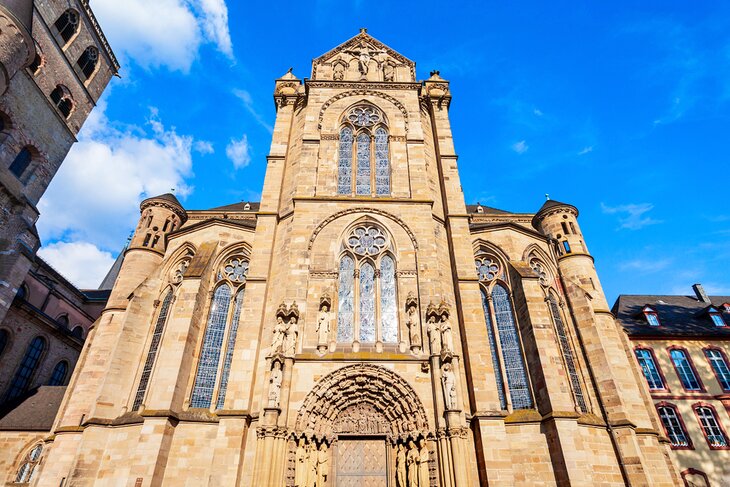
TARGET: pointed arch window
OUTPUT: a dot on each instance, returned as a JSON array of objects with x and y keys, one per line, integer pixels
[
  {"x": 67, "y": 25},
  {"x": 86, "y": 64},
  {"x": 24, "y": 374},
  {"x": 63, "y": 100},
  {"x": 493, "y": 350},
  {"x": 567, "y": 351},
  {"x": 221, "y": 328},
  {"x": 367, "y": 294},
  {"x": 152, "y": 352},
  {"x": 58, "y": 377},
  {"x": 29, "y": 465},
  {"x": 364, "y": 146}
]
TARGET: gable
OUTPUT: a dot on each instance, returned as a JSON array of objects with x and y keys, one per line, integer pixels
[{"x": 363, "y": 58}]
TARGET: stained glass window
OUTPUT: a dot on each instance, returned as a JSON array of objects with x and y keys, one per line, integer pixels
[
  {"x": 673, "y": 426},
  {"x": 27, "y": 469},
  {"x": 684, "y": 370},
  {"x": 719, "y": 365},
  {"x": 494, "y": 353},
  {"x": 388, "y": 312},
  {"x": 345, "y": 312},
  {"x": 511, "y": 350},
  {"x": 152, "y": 353},
  {"x": 205, "y": 377},
  {"x": 362, "y": 186},
  {"x": 487, "y": 269},
  {"x": 382, "y": 165},
  {"x": 648, "y": 366},
  {"x": 237, "y": 305},
  {"x": 27, "y": 368},
  {"x": 364, "y": 116},
  {"x": 367, "y": 303},
  {"x": 567, "y": 351},
  {"x": 710, "y": 427},
  {"x": 236, "y": 269},
  {"x": 58, "y": 377},
  {"x": 344, "y": 176},
  {"x": 367, "y": 240}
]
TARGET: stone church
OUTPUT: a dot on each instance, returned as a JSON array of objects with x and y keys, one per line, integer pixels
[{"x": 360, "y": 326}]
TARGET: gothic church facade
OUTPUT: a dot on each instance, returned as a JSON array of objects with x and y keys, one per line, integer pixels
[{"x": 360, "y": 326}]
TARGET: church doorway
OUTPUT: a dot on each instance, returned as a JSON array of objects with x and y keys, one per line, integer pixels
[{"x": 361, "y": 461}]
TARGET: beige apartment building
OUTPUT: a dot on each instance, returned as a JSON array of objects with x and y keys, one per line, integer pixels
[{"x": 361, "y": 325}]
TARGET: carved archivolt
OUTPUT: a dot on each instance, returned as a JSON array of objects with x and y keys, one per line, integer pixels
[
  {"x": 375, "y": 211},
  {"x": 363, "y": 92},
  {"x": 362, "y": 398}
]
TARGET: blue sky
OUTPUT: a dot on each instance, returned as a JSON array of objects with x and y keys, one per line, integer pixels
[{"x": 620, "y": 109}]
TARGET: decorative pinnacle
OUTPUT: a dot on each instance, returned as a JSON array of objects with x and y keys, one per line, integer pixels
[
  {"x": 547, "y": 197},
  {"x": 363, "y": 30}
]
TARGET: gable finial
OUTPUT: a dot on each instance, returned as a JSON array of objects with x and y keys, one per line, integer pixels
[
  {"x": 547, "y": 197},
  {"x": 363, "y": 30}
]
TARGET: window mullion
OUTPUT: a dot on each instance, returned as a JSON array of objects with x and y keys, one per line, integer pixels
[{"x": 500, "y": 356}]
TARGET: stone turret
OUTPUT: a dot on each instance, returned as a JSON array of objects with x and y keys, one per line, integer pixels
[{"x": 17, "y": 49}]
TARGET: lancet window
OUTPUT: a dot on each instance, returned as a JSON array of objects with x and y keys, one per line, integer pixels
[
  {"x": 27, "y": 369},
  {"x": 504, "y": 339},
  {"x": 363, "y": 157},
  {"x": 28, "y": 467},
  {"x": 219, "y": 339},
  {"x": 367, "y": 310}
]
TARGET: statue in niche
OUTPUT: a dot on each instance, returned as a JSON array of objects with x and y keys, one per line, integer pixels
[
  {"x": 323, "y": 322},
  {"x": 448, "y": 381},
  {"x": 292, "y": 331},
  {"x": 323, "y": 458},
  {"x": 424, "y": 479},
  {"x": 413, "y": 322},
  {"x": 434, "y": 335},
  {"x": 275, "y": 385},
  {"x": 338, "y": 72},
  {"x": 400, "y": 466},
  {"x": 412, "y": 464},
  {"x": 447, "y": 338},
  {"x": 311, "y": 465},
  {"x": 388, "y": 72},
  {"x": 301, "y": 458},
  {"x": 364, "y": 55},
  {"x": 277, "y": 343}
]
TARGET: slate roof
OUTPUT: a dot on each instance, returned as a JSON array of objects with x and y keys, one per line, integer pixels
[
  {"x": 679, "y": 316},
  {"x": 111, "y": 277},
  {"x": 21, "y": 9},
  {"x": 35, "y": 411},
  {"x": 255, "y": 205},
  {"x": 167, "y": 197},
  {"x": 488, "y": 210}
]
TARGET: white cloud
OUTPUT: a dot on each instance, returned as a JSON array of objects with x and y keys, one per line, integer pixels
[
  {"x": 239, "y": 152},
  {"x": 585, "y": 150},
  {"x": 538, "y": 112},
  {"x": 633, "y": 218},
  {"x": 95, "y": 194},
  {"x": 203, "y": 147},
  {"x": 245, "y": 97},
  {"x": 164, "y": 32},
  {"x": 520, "y": 147},
  {"x": 82, "y": 263},
  {"x": 645, "y": 266}
]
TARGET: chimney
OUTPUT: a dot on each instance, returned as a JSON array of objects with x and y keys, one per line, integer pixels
[{"x": 701, "y": 294}]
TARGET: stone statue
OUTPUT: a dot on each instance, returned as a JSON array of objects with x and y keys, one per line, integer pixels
[
  {"x": 339, "y": 72},
  {"x": 301, "y": 458},
  {"x": 412, "y": 463},
  {"x": 323, "y": 458},
  {"x": 400, "y": 466},
  {"x": 448, "y": 381},
  {"x": 424, "y": 478},
  {"x": 311, "y": 465},
  {"x": 323, "y": 325},
  {"x": 277, "y": 344},
  {"x": 414, "y": 325},
  {"x": 275, "y": 385},
  {"x": 364, "y": 55},
  {"x": 388, "y": 72},
  {"x": 434, "y": 335},
  {"x": 447, "y": 338},
  {"x": 290, "y": 339}
]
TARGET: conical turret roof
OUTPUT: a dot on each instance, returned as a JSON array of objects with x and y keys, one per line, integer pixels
[{"x": 21, "y": 10}]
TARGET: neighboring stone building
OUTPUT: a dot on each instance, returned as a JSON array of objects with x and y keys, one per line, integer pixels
[
  {"x": 361, "y": 326},
  {"x": 54, "y": 65},
  {"x": 682, "y": 345}
]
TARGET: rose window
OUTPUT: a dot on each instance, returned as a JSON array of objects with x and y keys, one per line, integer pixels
[
  {"x": 364, "y": 116},
  {"x": 537, "y": 266},
  {"x": 367, "y": 240},
  {"x": 487, "y": 269},
  {"x": 236, "y": 269}
]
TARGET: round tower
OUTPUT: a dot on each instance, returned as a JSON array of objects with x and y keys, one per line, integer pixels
[
  {"x": 159, "y": 216},
  {"x": 559, "y": 222},
  {"x": 17, "y": 49}
]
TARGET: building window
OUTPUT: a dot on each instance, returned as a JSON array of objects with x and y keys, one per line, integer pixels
[
  {"x": 364, "y": 127},
  {"x": 367, "y": 306},
  {"x": 222, "y": 327},
  {"x": 673, "y": 426},
  {"x": 86, "y": 64},
  {"x": 716, "y": 317},
  {"x": 651, "y": 316},
  {"x": 4, "y": 339},
  {"x": 566, "y": 247},
  {"x": 27, "y": 368},
  {"x": 35, "y": 66},
  {"x": 685, "y": 370},
  {"x": 711, "y": 428},
  {"x": 78, "y": 332},
  {"x": 67, "y": 25},
  {"x": 719, "y": 366},
  {"x": 28, "y": 467},
  {"x": 152, "y": 352},
  {"x": 567, "y": 351},
  {"x": 649, "y": 367},
  {"x": 62, "y": 321},
  {"x": 21, "y": 162},
  {"x": 493, "y": 349},
  {"x": 58, "y": 377},
  {"x": 62, "y": 99}
]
